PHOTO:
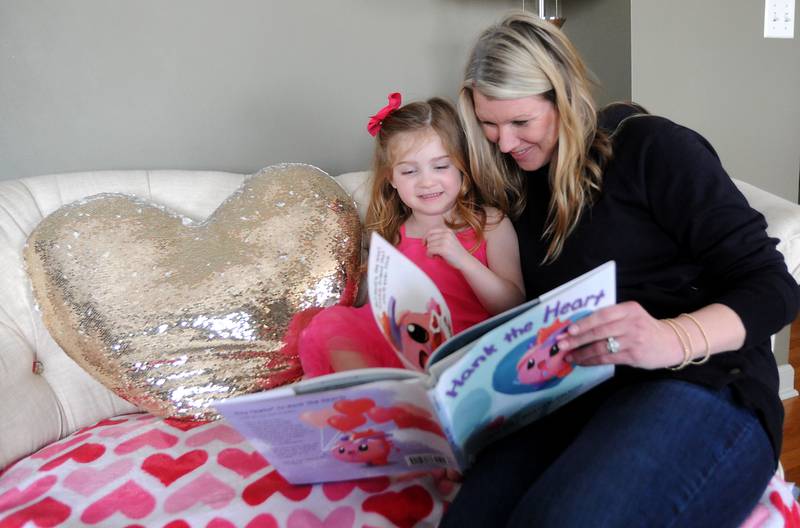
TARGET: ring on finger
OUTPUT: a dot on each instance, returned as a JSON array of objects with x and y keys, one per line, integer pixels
[{"x": 612, "y": 345}]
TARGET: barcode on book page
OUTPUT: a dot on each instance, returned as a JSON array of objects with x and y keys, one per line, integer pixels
[{"x": 426, "y": 459}]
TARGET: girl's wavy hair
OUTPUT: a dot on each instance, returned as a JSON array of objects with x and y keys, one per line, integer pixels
[
  {"x": 386, "y": 212},
  {"x": 521, "y": 56}
]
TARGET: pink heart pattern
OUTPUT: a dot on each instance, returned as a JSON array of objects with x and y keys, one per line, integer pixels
[
  {"x": 154, "y": 438},
  {"x": 339, "y": 518},
  {"x": 98, "y": 477},
  {"x": 129, "y": 499},
  {"x": 223, "y": 433},
  {"x": 88, "y": 480},
  {"x": 206, "y": 489},
  {"x": 15, "y": 497}
]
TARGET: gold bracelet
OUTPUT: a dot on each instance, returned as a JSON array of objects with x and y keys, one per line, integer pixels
[
  {"x": 687, "y": 354},
  {"x": 707, "y": 351}
]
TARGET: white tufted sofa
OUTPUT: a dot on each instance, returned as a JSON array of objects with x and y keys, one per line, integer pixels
[{"x": 38, "y": 409}]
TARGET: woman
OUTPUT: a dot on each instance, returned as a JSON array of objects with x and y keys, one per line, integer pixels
[{"x": 688, "y": 432}]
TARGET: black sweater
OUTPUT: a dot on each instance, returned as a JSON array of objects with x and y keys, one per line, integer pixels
[{"x": 683, "y": 237}]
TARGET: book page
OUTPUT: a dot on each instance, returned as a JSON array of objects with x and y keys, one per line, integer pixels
[
  {"x": 515, "y": 373},
  {"x": 369, "y": 430},
  {"x": 402, "y": 297}
]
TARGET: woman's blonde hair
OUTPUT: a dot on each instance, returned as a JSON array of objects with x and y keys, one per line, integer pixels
[
  {"x": 386, "y": 212},
  {"x": 521, "y": 56}
]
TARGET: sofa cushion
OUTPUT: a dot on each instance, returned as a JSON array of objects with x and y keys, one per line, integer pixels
[{"x": 146, "y": 471}]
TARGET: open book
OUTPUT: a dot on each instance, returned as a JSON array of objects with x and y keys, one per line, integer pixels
[{"x": 477, "y": 386}]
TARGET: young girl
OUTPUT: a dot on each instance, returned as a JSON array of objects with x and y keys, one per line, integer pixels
[{"x": 424, "y": 201}]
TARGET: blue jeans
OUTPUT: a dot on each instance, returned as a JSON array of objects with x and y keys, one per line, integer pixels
[{"x": 656, "y": 453}]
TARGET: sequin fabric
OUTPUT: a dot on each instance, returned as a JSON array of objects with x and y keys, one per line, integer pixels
[{"x": 172, "y": 314}]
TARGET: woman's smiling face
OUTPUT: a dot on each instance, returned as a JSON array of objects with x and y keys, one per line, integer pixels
[{"x": 524, "y": 128}]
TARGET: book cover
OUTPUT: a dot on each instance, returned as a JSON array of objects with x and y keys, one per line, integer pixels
[{"x": 478, "y": 385}]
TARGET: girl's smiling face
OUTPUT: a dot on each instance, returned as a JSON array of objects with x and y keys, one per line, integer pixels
[
  {"x": 424, "y": 176},
  {"x": 524, "y": 128}
]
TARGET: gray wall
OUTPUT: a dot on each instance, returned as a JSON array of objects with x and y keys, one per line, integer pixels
[
  {"x": 707, "y": 65},
  {"x": 601, "y": 30},
  {"x": 237, "y": 85}
]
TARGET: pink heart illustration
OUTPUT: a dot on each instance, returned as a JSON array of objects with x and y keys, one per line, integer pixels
[
  {"x": 223, "y": 433},
  {"x": 129, "y": 499},
  {"x": 15, "y": 497},
  {"x": 339, "y": 518},
  {"x": 153, "y": 438},
  {"x": 245, "y": 464},
  {"x": 206, "y": 489},
  {"x": 88, "y": 480},
  {"x": 54, "y": 449}
]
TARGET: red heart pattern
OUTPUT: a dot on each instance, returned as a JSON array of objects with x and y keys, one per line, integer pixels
[
  {"x": 141, "y": 471},
  {"x": 82, "y": 454},
  {"x": 14, "y": 497},
  {"x": 168, "y": 469},
  {"x": 262, "y": 489},
  {"x": 245, "y": 464},
  {"x": 336, "y": 491},
  {"x": 404, "y": 509},
  {"x": 47, "y": 512}
]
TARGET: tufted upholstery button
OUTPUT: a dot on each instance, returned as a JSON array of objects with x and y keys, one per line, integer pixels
[
  {"x": 37, "y": 367},
  {"x": 735, "y": 371}
]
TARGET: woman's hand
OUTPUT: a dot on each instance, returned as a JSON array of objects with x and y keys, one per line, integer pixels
[
  {"x": 644, "y": 341},
  {"x": 444, "y": 243}
]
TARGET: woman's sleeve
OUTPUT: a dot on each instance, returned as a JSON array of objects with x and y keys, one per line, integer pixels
[{"x": 693, "y": 198}]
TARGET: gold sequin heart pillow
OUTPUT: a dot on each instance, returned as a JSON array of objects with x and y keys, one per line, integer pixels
[{"x": 172, "y": 314}]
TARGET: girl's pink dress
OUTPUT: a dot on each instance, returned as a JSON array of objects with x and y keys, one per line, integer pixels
[{"x": 354, "y": 328}]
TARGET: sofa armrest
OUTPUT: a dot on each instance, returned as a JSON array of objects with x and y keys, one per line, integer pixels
[{"x": 783, "y": 222}]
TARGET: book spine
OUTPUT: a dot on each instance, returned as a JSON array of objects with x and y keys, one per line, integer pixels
[{"x": 444, "y": 420}]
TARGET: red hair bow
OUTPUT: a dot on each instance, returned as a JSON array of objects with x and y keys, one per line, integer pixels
[{"x": 375, "y": 122}]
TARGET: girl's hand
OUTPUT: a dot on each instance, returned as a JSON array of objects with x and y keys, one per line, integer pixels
[
  {"x": 644, "y": 341},
  {"x": 444, "y": 243}
]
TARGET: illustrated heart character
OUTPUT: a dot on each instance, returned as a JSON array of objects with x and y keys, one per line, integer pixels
[{"x": 173, "y": 314}]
